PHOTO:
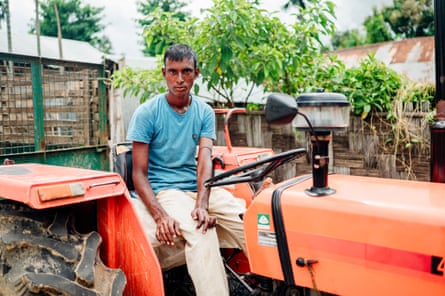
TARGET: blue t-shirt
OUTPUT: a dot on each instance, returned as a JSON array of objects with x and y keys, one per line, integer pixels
[{"x": 173, "y": 140}]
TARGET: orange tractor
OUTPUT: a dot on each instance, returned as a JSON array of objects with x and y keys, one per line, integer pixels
[{"x": 61, "y": 227}]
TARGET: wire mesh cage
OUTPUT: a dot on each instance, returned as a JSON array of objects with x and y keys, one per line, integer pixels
[
  {"x": 17, "y": 123},
  {"x": 47, "y": 105}
]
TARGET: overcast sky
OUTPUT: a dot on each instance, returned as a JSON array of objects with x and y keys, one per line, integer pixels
[{"x": 122, "y": 30}]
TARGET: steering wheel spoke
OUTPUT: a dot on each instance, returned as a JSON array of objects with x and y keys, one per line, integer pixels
[{"x": 254, "y": 171}]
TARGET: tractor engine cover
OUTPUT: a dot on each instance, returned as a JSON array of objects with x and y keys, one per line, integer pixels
[{"x": 374, "y": 236}]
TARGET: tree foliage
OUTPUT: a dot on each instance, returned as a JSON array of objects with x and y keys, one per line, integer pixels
[
  {"x": 2, "y": 12},
  {"x": 410, "y": 18},
  {"x": 291, "y": 3},
  {"x": 77, "y": 21},
  {"x": 371, "y": 86},
  {"x": 347, "y": 39},
  {"x": 239, "y": 43},
  {"x": 143, "y": 83},
  {"x": 377, "y": 30},
  {"x": 402, "y": 19},
  {"x": 150, "y": 10}
]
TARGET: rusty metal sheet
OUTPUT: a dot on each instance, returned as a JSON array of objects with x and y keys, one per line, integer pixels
[{"x": 413, "y": 57}]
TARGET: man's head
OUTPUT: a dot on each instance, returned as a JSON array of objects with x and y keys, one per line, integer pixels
[
  {"x": 178, "y": 52},
  {"x": 180, "y": 70}
]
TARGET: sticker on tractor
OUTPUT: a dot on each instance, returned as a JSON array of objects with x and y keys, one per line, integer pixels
[
  {"x": 267, "y": 238},
  {"x": 263, "y": 221}
]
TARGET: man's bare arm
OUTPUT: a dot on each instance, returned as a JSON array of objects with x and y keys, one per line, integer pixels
[
  {"x": 204, "y": 171},
  {"x": 167, "y": 228}
]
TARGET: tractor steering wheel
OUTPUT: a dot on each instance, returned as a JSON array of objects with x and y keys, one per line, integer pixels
[{"x": 254, "y": 171}]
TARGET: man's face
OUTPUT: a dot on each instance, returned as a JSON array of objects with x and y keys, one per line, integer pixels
[{"x": 180, "y": 76}]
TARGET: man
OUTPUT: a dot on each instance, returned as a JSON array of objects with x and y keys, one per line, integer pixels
[{"x": 186, "y": 222}]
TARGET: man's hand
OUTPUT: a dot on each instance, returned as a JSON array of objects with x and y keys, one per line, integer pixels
[
  {"x": 167, "y": 229},
  {"x": 203, "y": 219}
]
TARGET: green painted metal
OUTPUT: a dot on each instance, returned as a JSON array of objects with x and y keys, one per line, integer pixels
[
  {"x": 37, "y": 94},
  {"x": 103, "y": 109},
  {"x": 96, "y": 158}
]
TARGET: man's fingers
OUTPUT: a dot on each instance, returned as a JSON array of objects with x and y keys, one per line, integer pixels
[
  {"x": 212, "y": 221},
  {"x": 166, "y": 231},
  {"x": 163, "y": 235},
  {"x": 176, "y": 229},
  {"x": 209, "y": 223},
  {"x": 203, "y": 219},
  {"x": 201, "y": 223}
]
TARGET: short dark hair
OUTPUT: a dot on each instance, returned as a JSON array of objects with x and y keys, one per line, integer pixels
[{"x": 178, "y": 52}]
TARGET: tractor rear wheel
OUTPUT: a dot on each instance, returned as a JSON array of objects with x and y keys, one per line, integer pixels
[{"x": 42, "y": 254}]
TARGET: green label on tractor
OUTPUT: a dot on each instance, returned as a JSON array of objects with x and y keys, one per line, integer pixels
[{"x": 263, "y": 221}]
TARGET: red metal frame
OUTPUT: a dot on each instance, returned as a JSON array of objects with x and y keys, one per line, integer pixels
[{"x": 125, "y": 244}]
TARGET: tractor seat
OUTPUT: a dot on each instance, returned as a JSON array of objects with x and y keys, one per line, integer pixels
[{"x": 122, "y": 162}]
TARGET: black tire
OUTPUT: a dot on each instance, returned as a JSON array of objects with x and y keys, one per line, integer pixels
[
  {"x": 42, "y": 254},
  {"x": 177, "y": 282}
]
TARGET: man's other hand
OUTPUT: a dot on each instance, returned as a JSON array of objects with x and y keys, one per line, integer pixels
[{"x": 203, "y": 219}]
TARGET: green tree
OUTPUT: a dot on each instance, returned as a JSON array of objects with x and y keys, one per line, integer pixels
[
  {"x": 291, "y": 3},
  {"x": 347, "y": 39},
  {"x": 147, "y": 9},
  {"x": 372, "y": 86},
  {"x": 402, "y": 19},
  {"x": 377, "y": 30},
  {"x": 5, "y": 16},
  {"x": 237, "y": 41},
  {"x": 410, "y": 18},
  {"x": 2, "y": 12},
  {"x": 77, "y": 21}
]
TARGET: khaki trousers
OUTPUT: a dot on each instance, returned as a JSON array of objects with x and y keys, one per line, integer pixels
[{"x": 199, "y": 251}]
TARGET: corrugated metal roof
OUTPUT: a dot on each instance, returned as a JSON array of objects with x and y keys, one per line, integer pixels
[
  {"x": 413, "y": 57},
  {"x": 74, "y": 51}
]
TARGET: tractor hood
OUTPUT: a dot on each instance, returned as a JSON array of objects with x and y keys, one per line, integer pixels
[
  {"x": 372, "y": 235},
  {"x": 45, "y": 186}
]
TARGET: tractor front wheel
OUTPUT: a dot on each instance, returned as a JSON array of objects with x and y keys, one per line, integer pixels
[{"x": 41, "y": 253}]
